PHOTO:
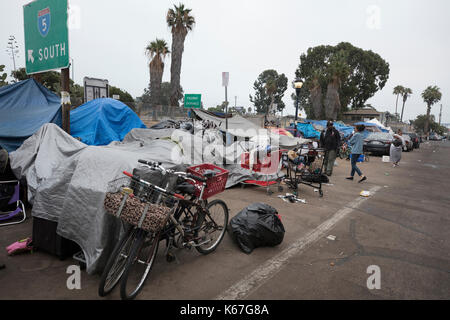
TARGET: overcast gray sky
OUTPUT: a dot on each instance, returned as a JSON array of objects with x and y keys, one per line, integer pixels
[{"x": 245, "y": 37}]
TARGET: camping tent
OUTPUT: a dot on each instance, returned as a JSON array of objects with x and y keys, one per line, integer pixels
[
  {"x": 101, "y": 121},
  {"x": 24, "y": 107}
]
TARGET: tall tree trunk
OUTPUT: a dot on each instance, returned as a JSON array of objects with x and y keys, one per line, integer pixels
[
  {"x": 156, "y": 73},
  {"x": 403, "y": 107},
  {"x": 427, "y": 120},
  {"x": 178, "y": 37},
  {"x": 315, "y": 95},
  {"x": 396, "y": 103},
  {"x": 332, "y": 102}
]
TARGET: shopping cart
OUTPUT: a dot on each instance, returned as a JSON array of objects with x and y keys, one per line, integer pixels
[
  {"x": 309, "y": 172},
  {"x": 267, "y": 163}
]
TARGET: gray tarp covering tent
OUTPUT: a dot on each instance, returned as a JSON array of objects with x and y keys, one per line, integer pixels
[
  {"x": 241, "y": 127},
  {"x": 67, "y": 179}
]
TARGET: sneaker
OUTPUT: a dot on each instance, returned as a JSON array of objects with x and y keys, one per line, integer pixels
[
  {"x": 349, "y": 178},
  {"x": 363, "y": 178}
]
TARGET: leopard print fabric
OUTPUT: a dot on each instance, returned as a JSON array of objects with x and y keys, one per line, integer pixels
[{"x": 134, "y": 209}]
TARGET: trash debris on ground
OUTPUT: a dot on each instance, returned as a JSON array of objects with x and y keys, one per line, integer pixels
[
  {"x": 332, "y": 264},
  {"x": 331, "y": 237},
  {"x": 386, "y": 173},
  {"x": 329, "y": 184},
  {"x": 364, "y": 193},
  {"x": 316, "y": 190},
  {"x": 386, "y": 159},
  {"x": 20, "y": 246},
  {"x": 255, "y": 226},
  {"x": 289, "y": 197}
]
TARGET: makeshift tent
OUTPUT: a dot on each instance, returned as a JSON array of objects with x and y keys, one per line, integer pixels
[
  {"x": 240, "y": 127},
  {"x": 282, "y": 132},
  {"x": 320, "y": 125},
  {"x": 308, "y": 130},
  {"x": 101, "y": 121},
  {"x": 24, "y": 107}
]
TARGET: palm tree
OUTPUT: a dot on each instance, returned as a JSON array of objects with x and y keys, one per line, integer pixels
[
  {"x": 156, "y": 51},
  {"x": 397, "y": 91},
  {"x": 315, "y": 95},
  {"x": 430, "y": 95},
  {"x": 405, "y": 94},
  {"x": 181, "y": 22},
  {"x": 337, "y": 71}
]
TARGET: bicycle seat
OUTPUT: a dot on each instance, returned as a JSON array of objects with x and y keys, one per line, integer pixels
[{"x": 185, "y": 188}]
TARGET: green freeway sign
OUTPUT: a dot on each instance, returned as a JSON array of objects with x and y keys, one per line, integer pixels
[
  {"x": 46, "y": 35},
  {"x": 192, "y": 100}
]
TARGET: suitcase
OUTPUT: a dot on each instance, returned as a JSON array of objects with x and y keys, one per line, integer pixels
[{"x": 46, "y": 239}]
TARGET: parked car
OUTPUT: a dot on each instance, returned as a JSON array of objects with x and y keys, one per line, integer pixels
[
  {"x": 409, "y": 143},
  {"x": 415, "y": 139},
  {"x": 378, "y": 143},
  {"x": 435, "y": 137}
]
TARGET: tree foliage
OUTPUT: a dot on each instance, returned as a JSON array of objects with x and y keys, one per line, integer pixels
[
  {"x": 269, "y": 89},
  {"x": 361, "y": 72},
  {"x": 420, "y": 124},
  {"x": 3, "y": 76},
  {"x": 430, "y": 96},
  {"x": 156, "y": 51},
  {"x": 180, "y": 21}
]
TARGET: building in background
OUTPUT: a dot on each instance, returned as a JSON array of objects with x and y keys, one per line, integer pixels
[{"x": 363, "y": 115}]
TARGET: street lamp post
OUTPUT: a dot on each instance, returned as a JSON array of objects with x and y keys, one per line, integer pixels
[{"x": 298, "y": 83}]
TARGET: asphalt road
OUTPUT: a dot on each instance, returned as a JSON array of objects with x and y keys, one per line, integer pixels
[{"x": 402, "y": 229}]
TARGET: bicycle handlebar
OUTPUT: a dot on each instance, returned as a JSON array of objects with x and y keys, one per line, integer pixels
[
  {"x": 192, "y": 176},
  {"x": 179, "y": 196}
]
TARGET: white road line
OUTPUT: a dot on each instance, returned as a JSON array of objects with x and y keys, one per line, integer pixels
[{"x": 262, "y": 274}]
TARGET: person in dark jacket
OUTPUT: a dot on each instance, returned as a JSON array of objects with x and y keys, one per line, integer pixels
[{"x": 330, "y": 140}]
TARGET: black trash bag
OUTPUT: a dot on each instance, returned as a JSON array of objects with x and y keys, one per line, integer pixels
[{"x": 256, "y": 226}]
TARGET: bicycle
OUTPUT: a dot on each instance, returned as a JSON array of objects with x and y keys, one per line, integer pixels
[{"x": 191, "y": 222}]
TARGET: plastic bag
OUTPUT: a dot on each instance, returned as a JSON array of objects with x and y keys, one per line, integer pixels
[{"x": 257, "y": 225}]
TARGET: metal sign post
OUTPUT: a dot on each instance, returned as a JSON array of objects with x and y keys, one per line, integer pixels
[{"x": 225, "y": 79}]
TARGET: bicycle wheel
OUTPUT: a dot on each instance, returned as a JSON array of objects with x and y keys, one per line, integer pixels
[
  {"x": 116, "y": 263},
  {"x": 213, "y": 226},
  {"x": 139, "y": 264}
]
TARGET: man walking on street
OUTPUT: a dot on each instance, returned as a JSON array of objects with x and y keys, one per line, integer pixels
[{"x": 330, "y": 140}]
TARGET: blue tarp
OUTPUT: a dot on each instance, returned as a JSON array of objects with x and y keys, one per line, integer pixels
[
  {"x": 24, "y": 107},
  {"x": 345, "y": 130},
  {"x": 308, "y": 130},
  {"x": 101, "y": 121}
]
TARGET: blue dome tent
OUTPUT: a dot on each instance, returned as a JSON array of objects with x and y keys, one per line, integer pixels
[{"x": 101, "y": 121}]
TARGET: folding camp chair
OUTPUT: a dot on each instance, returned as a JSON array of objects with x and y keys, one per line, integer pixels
[{"x": 11, "y": 207}]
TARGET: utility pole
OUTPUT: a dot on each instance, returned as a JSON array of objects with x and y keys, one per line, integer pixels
[
  {"x": 440, "y": 115},
  {"x": 235, "y": 99}
]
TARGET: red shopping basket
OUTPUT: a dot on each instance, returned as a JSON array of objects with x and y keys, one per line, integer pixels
[{"x": 214, "y": 185}]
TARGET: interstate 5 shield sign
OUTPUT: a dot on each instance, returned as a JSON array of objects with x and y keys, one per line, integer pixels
[
  {"x": 46, "y": 35},
  {"x": 44, "y": 21}
]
